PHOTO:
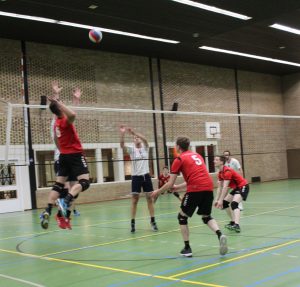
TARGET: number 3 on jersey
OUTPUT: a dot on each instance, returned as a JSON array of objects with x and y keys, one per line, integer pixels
[{"x": 196, "y": 159}]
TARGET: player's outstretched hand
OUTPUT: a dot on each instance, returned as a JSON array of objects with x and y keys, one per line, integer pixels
[
  {"x": 155, "y": 195},
  {"x": 56, "y": 89},
  {"x": 123, "y": 129}
]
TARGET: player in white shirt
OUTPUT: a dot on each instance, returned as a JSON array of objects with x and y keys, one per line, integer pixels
[
  {"x": 139, "y": 154},
  {"x": 234, "y": 164}
]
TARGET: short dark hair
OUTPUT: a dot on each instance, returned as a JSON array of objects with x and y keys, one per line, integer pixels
[
  {"x": 183, "y": 143},
  {"x": 55, "y": 109},
  {"x": 222, "y": 158},
  {"x": 227, "y": 151}
]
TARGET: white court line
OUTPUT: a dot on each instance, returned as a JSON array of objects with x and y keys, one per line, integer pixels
[{"x": 21, "y": 280}]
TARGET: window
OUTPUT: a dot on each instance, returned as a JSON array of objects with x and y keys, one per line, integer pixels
[{"x": 108, "y": 165}]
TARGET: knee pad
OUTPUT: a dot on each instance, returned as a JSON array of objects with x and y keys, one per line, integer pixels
[
  {"x": 234, "y": 205},
  {"x": 85, "y": 184},
  {"x": 63, "y": 193},
  {"x": 225, "y": 204},
  {"x": 206, "y": 219},
  {"x": 58, "y": 187},
  {"x": 183, "y": 220}
]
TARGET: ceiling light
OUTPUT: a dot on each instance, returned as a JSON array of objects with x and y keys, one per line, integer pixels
[
  {"x": 213, "y": 9},
  {"x": 47, "y": 20},
  {"x": 285, "y": 28},
  {"x": 93, "y": 6},
  {"x": 250, "y": 56}
]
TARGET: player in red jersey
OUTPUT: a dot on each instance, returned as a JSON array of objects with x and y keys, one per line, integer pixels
[
  {"x": 164, "y": 178},
  {"x": 199, "y": 193},
  {"x": 229, "y": 178},
  {"x": 71, "y": 160}
]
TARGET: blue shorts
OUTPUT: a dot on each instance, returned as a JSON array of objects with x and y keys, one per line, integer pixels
[{"x": 139, "y": 181}]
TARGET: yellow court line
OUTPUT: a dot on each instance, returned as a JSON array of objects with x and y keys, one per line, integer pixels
[
  {"x": 111, "y": 269},
  {"x": 235, "y": 258}
]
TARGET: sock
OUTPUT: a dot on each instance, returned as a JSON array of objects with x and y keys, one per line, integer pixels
[
  {"x": 68, "y": 213},
  {"x": 219, "y": 233},
  {"x": 133, "y": 221},
  {"x": 231, "y": 223},
  {"x": 69, "y": 198},
  {"x": 59, "y": 213},
  {"x": 49, "y": 208},
  {"x": 152, "y": 219},
  {"x": 187, "y": 244}
]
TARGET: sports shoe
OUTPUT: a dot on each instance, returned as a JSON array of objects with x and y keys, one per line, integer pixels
[
  {"x": 60, "y": 222},
  {"x": 132, "y": 228},
  {"x": 223, "y": 244},
  {"x": 236, "y": 228},
  {"x": 187, "y": 252},
  {"x": 154, "y": 226},
  {"x": 63, "y": 206},
  {"x": 76, "y": 212},
  {"x": 44, "y": 217},
  {"x": 229, "y": 225},
  {"x": 68, "y": 223}
]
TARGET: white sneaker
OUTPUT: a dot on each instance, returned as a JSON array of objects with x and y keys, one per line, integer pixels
[
  {"x": 241, "y": 207},
  {"x": 223, "y": 245}
]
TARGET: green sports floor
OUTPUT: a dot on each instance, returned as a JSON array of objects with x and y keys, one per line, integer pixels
[{"x": 101, "y": 251}]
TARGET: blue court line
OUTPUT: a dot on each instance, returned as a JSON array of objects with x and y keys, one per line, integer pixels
[
  {"x": 229, "y": 265},
  {"x": 211, "y": 260},
  {"x": 275, "y": 276}
]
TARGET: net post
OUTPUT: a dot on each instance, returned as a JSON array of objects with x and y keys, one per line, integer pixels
[{"x": 8, "y": 131}]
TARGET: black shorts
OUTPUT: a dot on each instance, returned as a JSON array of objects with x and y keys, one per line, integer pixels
[
  {"x": 73, "y": 164},
  {"x": 201, "y": 199},
  {"x": 139, "y": 181},
  {"x": 243, "y": 191},
  {"x": 71, "y": 177}
]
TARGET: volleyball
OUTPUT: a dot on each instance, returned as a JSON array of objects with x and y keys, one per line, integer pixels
[{"x": 95, "y": 35}]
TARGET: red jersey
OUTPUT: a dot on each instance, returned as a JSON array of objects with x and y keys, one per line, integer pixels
[
  {"x": 163, "y": 179},
  {"x": 194, "y": 171},
  {"x": 236, "y": 180},
  {"x": 68, "y": 140}
]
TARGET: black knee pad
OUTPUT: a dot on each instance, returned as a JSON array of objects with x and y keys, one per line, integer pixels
[
  {"x": 234, "y": 205},
  {"x": 63, "y": 193},
  {"x": 58, "y": 187},
  {"x": 225, "y": 204},
  {"x": 206, "y": 219},
  {"x": 183, "y": 220},
  {"x": 85, "y": 184}
]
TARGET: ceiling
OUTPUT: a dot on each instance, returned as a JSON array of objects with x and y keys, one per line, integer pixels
[{"x": 191, "y": 26}]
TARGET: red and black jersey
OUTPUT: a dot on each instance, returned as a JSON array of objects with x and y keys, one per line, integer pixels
[
  {"x": 163, "y": 179},
  {"x": 194, "y": 171},
  {"x": 67, "y": 136},
  {"x": 236, "y": 180}
]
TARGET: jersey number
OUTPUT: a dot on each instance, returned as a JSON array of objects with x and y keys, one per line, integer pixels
[{"x": 196, "y": 159}]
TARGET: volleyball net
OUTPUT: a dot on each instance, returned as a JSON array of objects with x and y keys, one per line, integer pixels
[{"x": 259, "y": 142}]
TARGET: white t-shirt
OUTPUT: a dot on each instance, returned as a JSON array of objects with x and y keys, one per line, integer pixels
[
  {"x": 234, "y": 164},
  {"x": 139, "y": 159},
  {"x": 56, "y": 151}
]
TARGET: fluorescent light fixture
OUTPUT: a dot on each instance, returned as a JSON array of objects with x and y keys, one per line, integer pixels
[
  {"x": 285, "y": 28},
  {"x": 213, "y": 9},
  {"x": 76, "y": 25},
  {"x": 249, "y": 56}
]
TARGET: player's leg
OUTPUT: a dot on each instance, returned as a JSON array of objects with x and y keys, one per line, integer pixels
[
  {"x": 148, "y": 189},
  {"x": 237, "y": 198},
  {"x": 54, "y": 194},
  {"x": 226, "y": 206},
  {"x": 136, "y": 188},
  {"x": 205, "y": 201},
  {"x": 77, "y": 166}
]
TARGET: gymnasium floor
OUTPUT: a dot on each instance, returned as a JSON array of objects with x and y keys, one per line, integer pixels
[{"x": 100, "y": 251}]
